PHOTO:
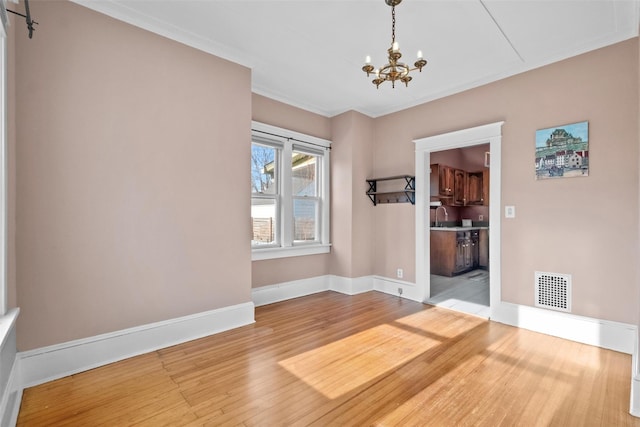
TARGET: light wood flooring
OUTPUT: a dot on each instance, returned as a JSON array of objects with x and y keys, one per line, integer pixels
[{"x": 332, "y": 359}]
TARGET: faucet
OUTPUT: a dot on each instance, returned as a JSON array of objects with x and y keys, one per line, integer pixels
[{"x": 445, "y": 214}]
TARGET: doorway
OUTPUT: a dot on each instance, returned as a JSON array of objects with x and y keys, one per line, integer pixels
[
  {"x": 490, "y": 134},
  {"x": 460, "y": 223}
]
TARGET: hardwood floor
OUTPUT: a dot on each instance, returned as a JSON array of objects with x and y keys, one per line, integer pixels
[{"x": 332, "y": 359}]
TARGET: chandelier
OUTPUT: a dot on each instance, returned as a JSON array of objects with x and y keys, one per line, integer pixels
[{"x": 393, "y": 70}]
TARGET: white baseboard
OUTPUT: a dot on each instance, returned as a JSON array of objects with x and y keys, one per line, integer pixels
[
  {"x": 288, "y": 290},
  {"x": 351, "y": 285},
  {"x": 600, "y": 333},
  {"x": 48, "y": 363},
  {"x": 390, "y": 286},
  {"x": 345, "y": 285}
]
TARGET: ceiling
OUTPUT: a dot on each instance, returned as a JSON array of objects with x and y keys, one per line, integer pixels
[{"x": 309, "y": 53}]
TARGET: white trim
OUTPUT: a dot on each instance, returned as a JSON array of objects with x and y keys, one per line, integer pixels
[
  {"x": 634, "y": 396},
  {"x": 12, "y": 398},
  {"x": 289, "y": 134},
  {"x": 600, "y": 333},
  {"x": 288, "y": 290},
  {"x": 390, "y": 286},
  {"x": 10, "y": 391},
  {"x": 492, "y": 134},
  {"x": 345, "y": 285},
  {"x": 351, "y": 285},
  {"x": 289, "y": 251},
  {"x": 49, "y": 363}
]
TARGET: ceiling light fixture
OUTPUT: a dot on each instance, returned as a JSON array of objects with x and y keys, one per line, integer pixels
[{"x": 393, "y": 70}]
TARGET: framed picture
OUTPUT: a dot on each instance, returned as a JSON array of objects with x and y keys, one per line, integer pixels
[{"x": 562, "y": 151}]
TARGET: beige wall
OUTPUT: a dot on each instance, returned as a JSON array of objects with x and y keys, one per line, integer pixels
[
  {"x": 282, "y": 270},
  {"x": 351, "y": 211},
  {"x": 12, "y": 292},
  {"x": 127, "y": 145},
  {"x": 566, "y": 225}
]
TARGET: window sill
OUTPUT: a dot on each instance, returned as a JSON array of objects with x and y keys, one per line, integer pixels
[
  {"x": 7, "y": 323},
  {"x": 273, "y": 253}
]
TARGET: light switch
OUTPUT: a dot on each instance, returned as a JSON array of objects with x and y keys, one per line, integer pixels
[{"x": 509, "y": 211}]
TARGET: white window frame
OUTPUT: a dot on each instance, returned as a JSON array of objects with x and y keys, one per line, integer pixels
[{"x": 286, "y": 140}]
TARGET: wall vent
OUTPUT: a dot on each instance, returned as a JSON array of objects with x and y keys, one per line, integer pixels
[{"x": 553, "y": 291}]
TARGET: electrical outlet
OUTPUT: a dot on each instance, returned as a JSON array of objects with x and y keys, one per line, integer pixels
[
  {"x": 399, "y": 273},
  {"x": 480, "y": 217}
]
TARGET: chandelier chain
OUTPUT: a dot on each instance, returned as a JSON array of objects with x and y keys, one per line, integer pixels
[{"x": 393, "y": 24}]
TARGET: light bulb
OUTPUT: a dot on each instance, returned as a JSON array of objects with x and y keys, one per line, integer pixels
[
  {"x": 367, "y": 60},
  {"x": 419, "y": 54}
]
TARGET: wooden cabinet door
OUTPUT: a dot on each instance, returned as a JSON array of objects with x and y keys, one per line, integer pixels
[
  {"x": 460, "y": 188},
  {"x": 446, "y": 179},
  {"x": 485, "y": 187},
  {"x": 443, "y": 253},
  {"x": 483, "y": 255},
  {"x": 475, "y": 188}
]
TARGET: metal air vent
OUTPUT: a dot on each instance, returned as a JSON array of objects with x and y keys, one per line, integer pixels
[{"x": 553, "y": 290}]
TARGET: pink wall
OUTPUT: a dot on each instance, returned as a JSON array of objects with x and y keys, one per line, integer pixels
[
  {"x": 12, "y": 292},
  {"x": 122, "y": 144},
  {"x": 351, "y": 210},
  {"x": 126, "y": 145},
  {"x": 281, "y": 270},
  {"x": 565, "y": 225}
]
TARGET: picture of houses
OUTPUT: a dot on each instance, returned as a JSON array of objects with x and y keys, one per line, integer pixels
[{"x": 562, "y": 151}]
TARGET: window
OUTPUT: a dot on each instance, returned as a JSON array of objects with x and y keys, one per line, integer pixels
[{"x": 289, "y": 193}]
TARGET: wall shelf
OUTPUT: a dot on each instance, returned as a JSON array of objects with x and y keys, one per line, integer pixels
[{"x": 393, "y": 195}]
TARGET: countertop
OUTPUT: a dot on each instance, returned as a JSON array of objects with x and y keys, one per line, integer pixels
[{"x": 458, "y": 228}]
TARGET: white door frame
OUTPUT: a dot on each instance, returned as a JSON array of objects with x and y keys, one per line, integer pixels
[{"x": 491, "y": 134}]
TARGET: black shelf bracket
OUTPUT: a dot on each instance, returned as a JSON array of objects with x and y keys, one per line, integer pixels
[{"x": 401, "y": 195}]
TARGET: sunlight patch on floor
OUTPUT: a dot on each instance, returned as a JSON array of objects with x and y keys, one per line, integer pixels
[{"x": 344, "y": 365}]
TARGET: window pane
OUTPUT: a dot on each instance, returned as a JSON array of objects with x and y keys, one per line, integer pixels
[
  {"x": 303, "y": 174},
  {"x": 305, "y": 214},
  {"x": 263, "y": 169},
  {"x": 263, "y": 221}
]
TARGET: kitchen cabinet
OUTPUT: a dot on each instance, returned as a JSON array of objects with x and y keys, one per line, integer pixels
[
  {"x": 456, "y": 187},
  {"x": 445, "y": 256},
  {"x": 475, "y": 188},
  {"x": 478, "y": 188},
  {"x": 441, "y": 181},
  {"x": 483, "y": 249},
  {"x": 454, "y": 252},
  {"x": 459, "y": 187},
  {"x": 485, "y": 187}
]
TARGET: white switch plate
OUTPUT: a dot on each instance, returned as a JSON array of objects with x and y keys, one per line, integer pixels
[{"x": 509, "y": 211}]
